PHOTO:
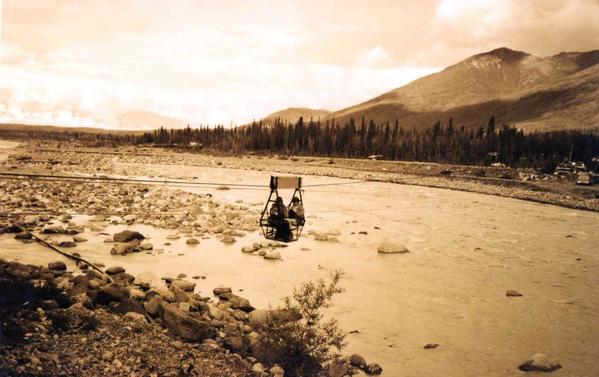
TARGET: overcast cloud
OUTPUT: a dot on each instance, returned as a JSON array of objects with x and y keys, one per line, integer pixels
[{"x": 81, "y": 62}]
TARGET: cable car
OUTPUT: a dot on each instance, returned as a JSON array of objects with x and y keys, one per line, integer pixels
[{"x": 282, "y": 228}]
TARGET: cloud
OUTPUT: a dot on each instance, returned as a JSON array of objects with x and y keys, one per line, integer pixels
[
  {"x": 92, "y": 61},
  {"x": 375, "y": 57}
]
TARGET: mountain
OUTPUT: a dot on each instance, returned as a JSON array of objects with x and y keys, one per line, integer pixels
[
  {"x": 145, "y": 120},
  {"x": 292, "y": 114},
  {"x": 533, "y": 93}
]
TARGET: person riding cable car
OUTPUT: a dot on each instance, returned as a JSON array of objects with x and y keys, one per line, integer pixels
[
  {"x": 278, "y": 219},
  {"x": 296, "y": 211}
]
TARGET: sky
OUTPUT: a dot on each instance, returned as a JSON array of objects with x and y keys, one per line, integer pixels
[{"x": 106, "y": 63}]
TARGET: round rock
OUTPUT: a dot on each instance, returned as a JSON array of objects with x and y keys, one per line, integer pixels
[
  {"x": 388, "y": 247},
  {"x": 114, "y": 270}
]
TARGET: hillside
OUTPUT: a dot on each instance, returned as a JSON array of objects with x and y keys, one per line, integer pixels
[
  {"x": 556, "y": 92},
  {"x": 292, "y": 114}
]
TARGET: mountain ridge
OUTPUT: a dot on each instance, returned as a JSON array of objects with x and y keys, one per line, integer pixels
[{"x": 491, "y": 83}]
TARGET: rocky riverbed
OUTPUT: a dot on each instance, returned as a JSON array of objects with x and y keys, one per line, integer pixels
[
  {"x": 438, "y": 305},
  {"x": 523, "y": 184}
]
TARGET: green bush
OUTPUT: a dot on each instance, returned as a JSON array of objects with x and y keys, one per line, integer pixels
[{"x": 304, "y": 344}]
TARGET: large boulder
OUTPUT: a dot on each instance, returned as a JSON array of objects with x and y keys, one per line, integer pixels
[
  {"x": 53, "y": 229},
  {"x": 388, "y": 247},
  {"x": 272, "y": 255},
  {"x": 338, "y": 368},
  {"x": 112, "y": 292},
  {"x": 357, "y": 361},
  {"x": 241, "y": 304},
  {"x": 161, "y": 291},
  {"x": 123, "y": 248},
  {"x": 30, "y": 220},
  {"x": 114, "y": 270},
  {"x": 184, "y": 325},
  {"x": 184, "y": 285},
  {"x": 64, "y": 242},
  {"x": 236, "y": 344},
  {"x": 262, "y": 318},
  {"x": 145, "y": 280},
  {"x": 221, "y": 290},
  {"x": 20, "y": 270},
  {"x": 127, "y": 235},
  {"x": 153, "y": 306}
]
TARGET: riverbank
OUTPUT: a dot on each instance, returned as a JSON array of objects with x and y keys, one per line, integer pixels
[{"x": 524, "y": 184}]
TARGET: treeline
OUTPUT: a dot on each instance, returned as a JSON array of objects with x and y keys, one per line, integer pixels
[{"x": 445, "y": 143}]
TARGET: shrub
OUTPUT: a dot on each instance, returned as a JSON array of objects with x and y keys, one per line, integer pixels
[{"x": 304, "y": 344}]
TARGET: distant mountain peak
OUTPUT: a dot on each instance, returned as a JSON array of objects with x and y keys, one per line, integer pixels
[
  {"x": 503, "y": 53},
  {"x": 555, "y": 92}
]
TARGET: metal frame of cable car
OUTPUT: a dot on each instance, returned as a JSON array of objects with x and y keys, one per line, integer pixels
[{"x": 269, "y": 230}]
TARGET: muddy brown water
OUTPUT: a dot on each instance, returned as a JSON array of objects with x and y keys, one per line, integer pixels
[{"x": 467, "y": 250}]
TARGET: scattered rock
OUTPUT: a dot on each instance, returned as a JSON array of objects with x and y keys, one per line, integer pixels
[
  {"x": 112, "y": 292},
  {"x": 135, "y": 316},
  {"x": 373, "y": 369},
  {"x": 272, "y": 255},
  {"x": 127, "y": 235},
  {"x": 48, "y": 304},
  {"x": 512, "y": 293},
  {"x": 539, "y": 363},
  {"x": 145, "y": 280},
  {"x": 338, "y": 368},
  {"x": 221, "y": 290},
  {"x": 277, "y": 371},
  {"x": 192, "y": 241},
  {"x": 53, "y": 229},
  {"x": 146, "y": 246},
  {"x": 114, "y": 270},
  {"x": 184, "y": 285},
  {"x": 64, "y": 242},
  {"x": 357, "y": 361},
  {"x": 388, "y": 247},
  {"x": 430, "y": 346},
  {"x": 184, "y": 325},
  {"x": 240, "y": 303},
  {"x": 228, "y": 239},
  {"x": 23, "y": 236},
  {"x": 57, "y": 266},
  {"x": 248, "y": 249},
  {"x": 153, "y": 306},
  {"x": 123, "y": 248}
]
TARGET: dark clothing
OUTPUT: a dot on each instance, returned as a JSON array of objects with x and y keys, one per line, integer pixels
[{"x": 278, "y": 220}]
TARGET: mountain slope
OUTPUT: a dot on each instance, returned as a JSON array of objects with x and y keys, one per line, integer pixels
[
  {"x": 292, "y": 114},
  {"x": 556, "y": 92}
]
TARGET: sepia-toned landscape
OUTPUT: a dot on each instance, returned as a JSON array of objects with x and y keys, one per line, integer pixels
[{"x": 434, "y": 213}]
